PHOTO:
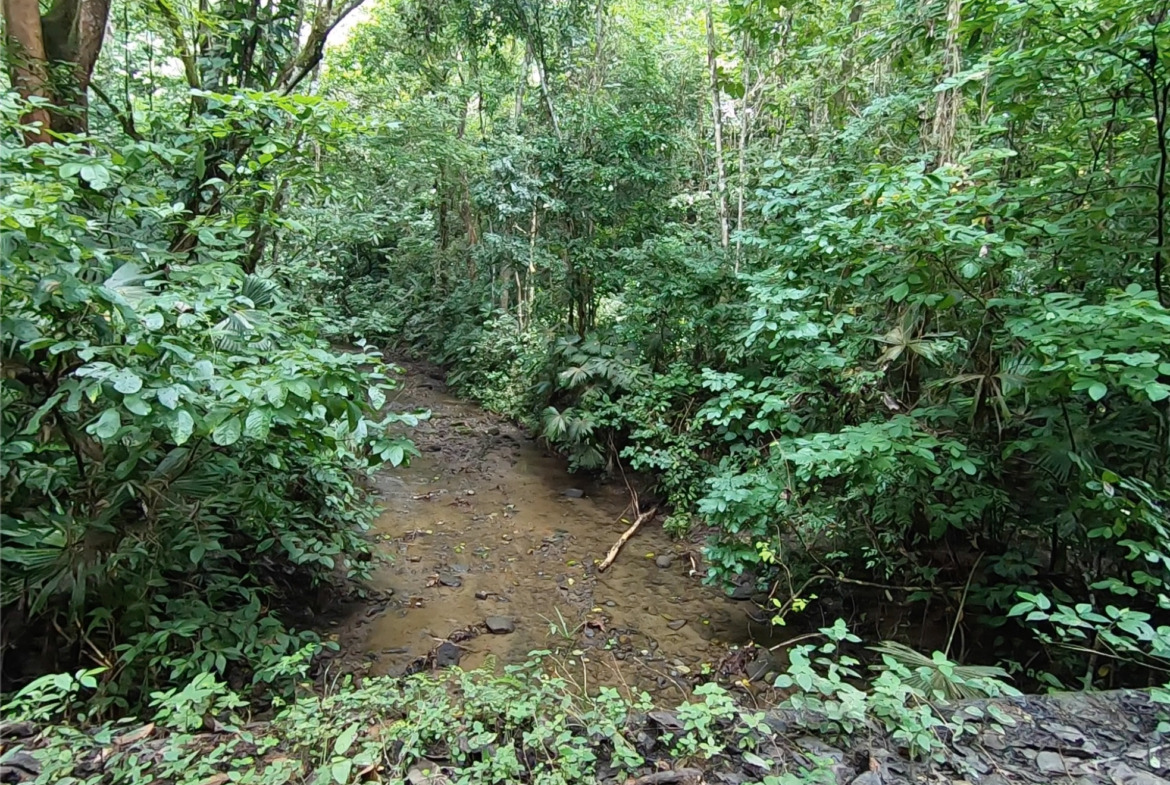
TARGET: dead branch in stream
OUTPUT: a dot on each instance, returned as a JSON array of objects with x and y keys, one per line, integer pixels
[{"x": 627, "y": 534}]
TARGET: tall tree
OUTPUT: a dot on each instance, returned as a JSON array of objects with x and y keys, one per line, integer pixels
[{"x": 717, "y": 113}]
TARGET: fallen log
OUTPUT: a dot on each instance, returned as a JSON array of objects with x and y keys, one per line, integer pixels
[{"x": 627, "y": 534}]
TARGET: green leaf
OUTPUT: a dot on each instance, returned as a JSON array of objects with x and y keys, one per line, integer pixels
[
  {"x": 377, "y": 398},
  {"x": 203, "y": 369},
  {"x": 1157, "y": 391},
  {"x": 300, "y": 388},
  {"x": 168, "y": 396},
  {"x": 899, "y": 292},
  {"x": 257, "y": 424},
  {"x": 182, "y": 426},
  {"x": 227, "y": 432},
  {"x": 345, "y": 740},
  {"x": 1097, "y": 391},
  {"x": 108, "y": 425},
  {"x": 341, "y": 770},
  {"x": 753, "y": 759},
  {"x": 96, "y": 175},
  {"x": 126, "y": 381},
  {"x": 394, "y": 454},
  {"x": 275, "y": 393},
  {"x": 135, "y": 405}
]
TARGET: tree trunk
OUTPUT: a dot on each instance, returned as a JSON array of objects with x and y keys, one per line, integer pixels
[
  {"x": 717, "y": 114},
  {"x": 70, "y": 34},
  {"x": 946, "y": 113},
  {"x": 743, "y": 139}
]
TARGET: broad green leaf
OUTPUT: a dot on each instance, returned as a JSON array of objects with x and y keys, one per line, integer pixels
[
  {"x": 168, "y": 396},
  {"x": 1097, "y": 391},
  {"x": 96, "y": 175},
  {"x": 257, "y": 424},
  {"x": 227, "y": 432},
  {"x": 135, "y": 405},
  {"x": 345, "y": 740},
  {"x": 107, "y": 425},
  {"x": 126, "y": 381},
  {"x": 394, "y": 455},
  {"x": 202, "y": 369},
  {"x": 341, "y": 770},
  {"x": 276, "y": 393},
  {"x": 300, "y": 388},
  {"x": 753, "y": 759},
  {"x": 182, "y": 426},
  {"x": 377, "y": 398}
]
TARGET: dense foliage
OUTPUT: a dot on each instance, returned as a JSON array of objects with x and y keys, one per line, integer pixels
[
  {"x": 181, "y": 452},
  {"x": 523, "y": 726},
  {"x": 873, "y": 295},
  {"x": 875, "y": 292}
]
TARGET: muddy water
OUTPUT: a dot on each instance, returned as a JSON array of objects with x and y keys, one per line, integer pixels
[{"x": 488, "y": 525}]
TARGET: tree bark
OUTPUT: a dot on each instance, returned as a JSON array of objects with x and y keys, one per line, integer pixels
[
  {"x": 946, "y": 113},
  {"x": 744, "y": 110},
  {"x": 52, "y": 57},
  {"x": 28, "y": 67},
  {"x": 717, "y": 114}
]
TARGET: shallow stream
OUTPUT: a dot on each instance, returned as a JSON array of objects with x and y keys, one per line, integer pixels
[{"x": 487, "y": 526}]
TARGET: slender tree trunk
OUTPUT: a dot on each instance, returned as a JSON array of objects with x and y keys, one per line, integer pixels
[
  {"x": 946, "y": 114},
  {"x": 599, "y": 49},
  {"x": 744, "y": 125},
  {"x": 518, "y": 110},
  {"x": 546, "y": 97},
  {"x": 717, "y": 115}
]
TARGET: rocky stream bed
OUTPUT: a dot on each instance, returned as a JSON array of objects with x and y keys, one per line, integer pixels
[{"x": 491, "y": 548}]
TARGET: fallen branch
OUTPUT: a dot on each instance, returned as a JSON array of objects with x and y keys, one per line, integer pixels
[{"x": 627, "y": 534}]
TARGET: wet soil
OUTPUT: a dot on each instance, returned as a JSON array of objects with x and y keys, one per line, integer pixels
[{"x": 489, "y": 525}]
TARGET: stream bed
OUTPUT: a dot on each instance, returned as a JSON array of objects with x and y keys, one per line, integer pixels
[{"x": 490, "y": 549}]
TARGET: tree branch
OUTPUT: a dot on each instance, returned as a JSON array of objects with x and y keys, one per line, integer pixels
[{"x": 300, "y": 66}]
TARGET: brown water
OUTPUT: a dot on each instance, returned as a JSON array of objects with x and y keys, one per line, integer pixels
[{"x": 487, "y": 524}]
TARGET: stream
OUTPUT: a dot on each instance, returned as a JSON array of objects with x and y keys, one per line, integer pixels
[{"x": 490, "y": 548}]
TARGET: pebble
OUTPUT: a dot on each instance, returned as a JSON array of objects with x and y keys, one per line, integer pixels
[
  {"x": 482, "y": 595},
  {"x": 453, "y": 581},
  {"x": 573, "y": 493},
  {"x": 664, "y": 561},
  {"x": 500, "y": 625},
  {"x": 610, "y": 604},
  {"x": 447, "y": 655},
  {"x": 677, "y": 624}
]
